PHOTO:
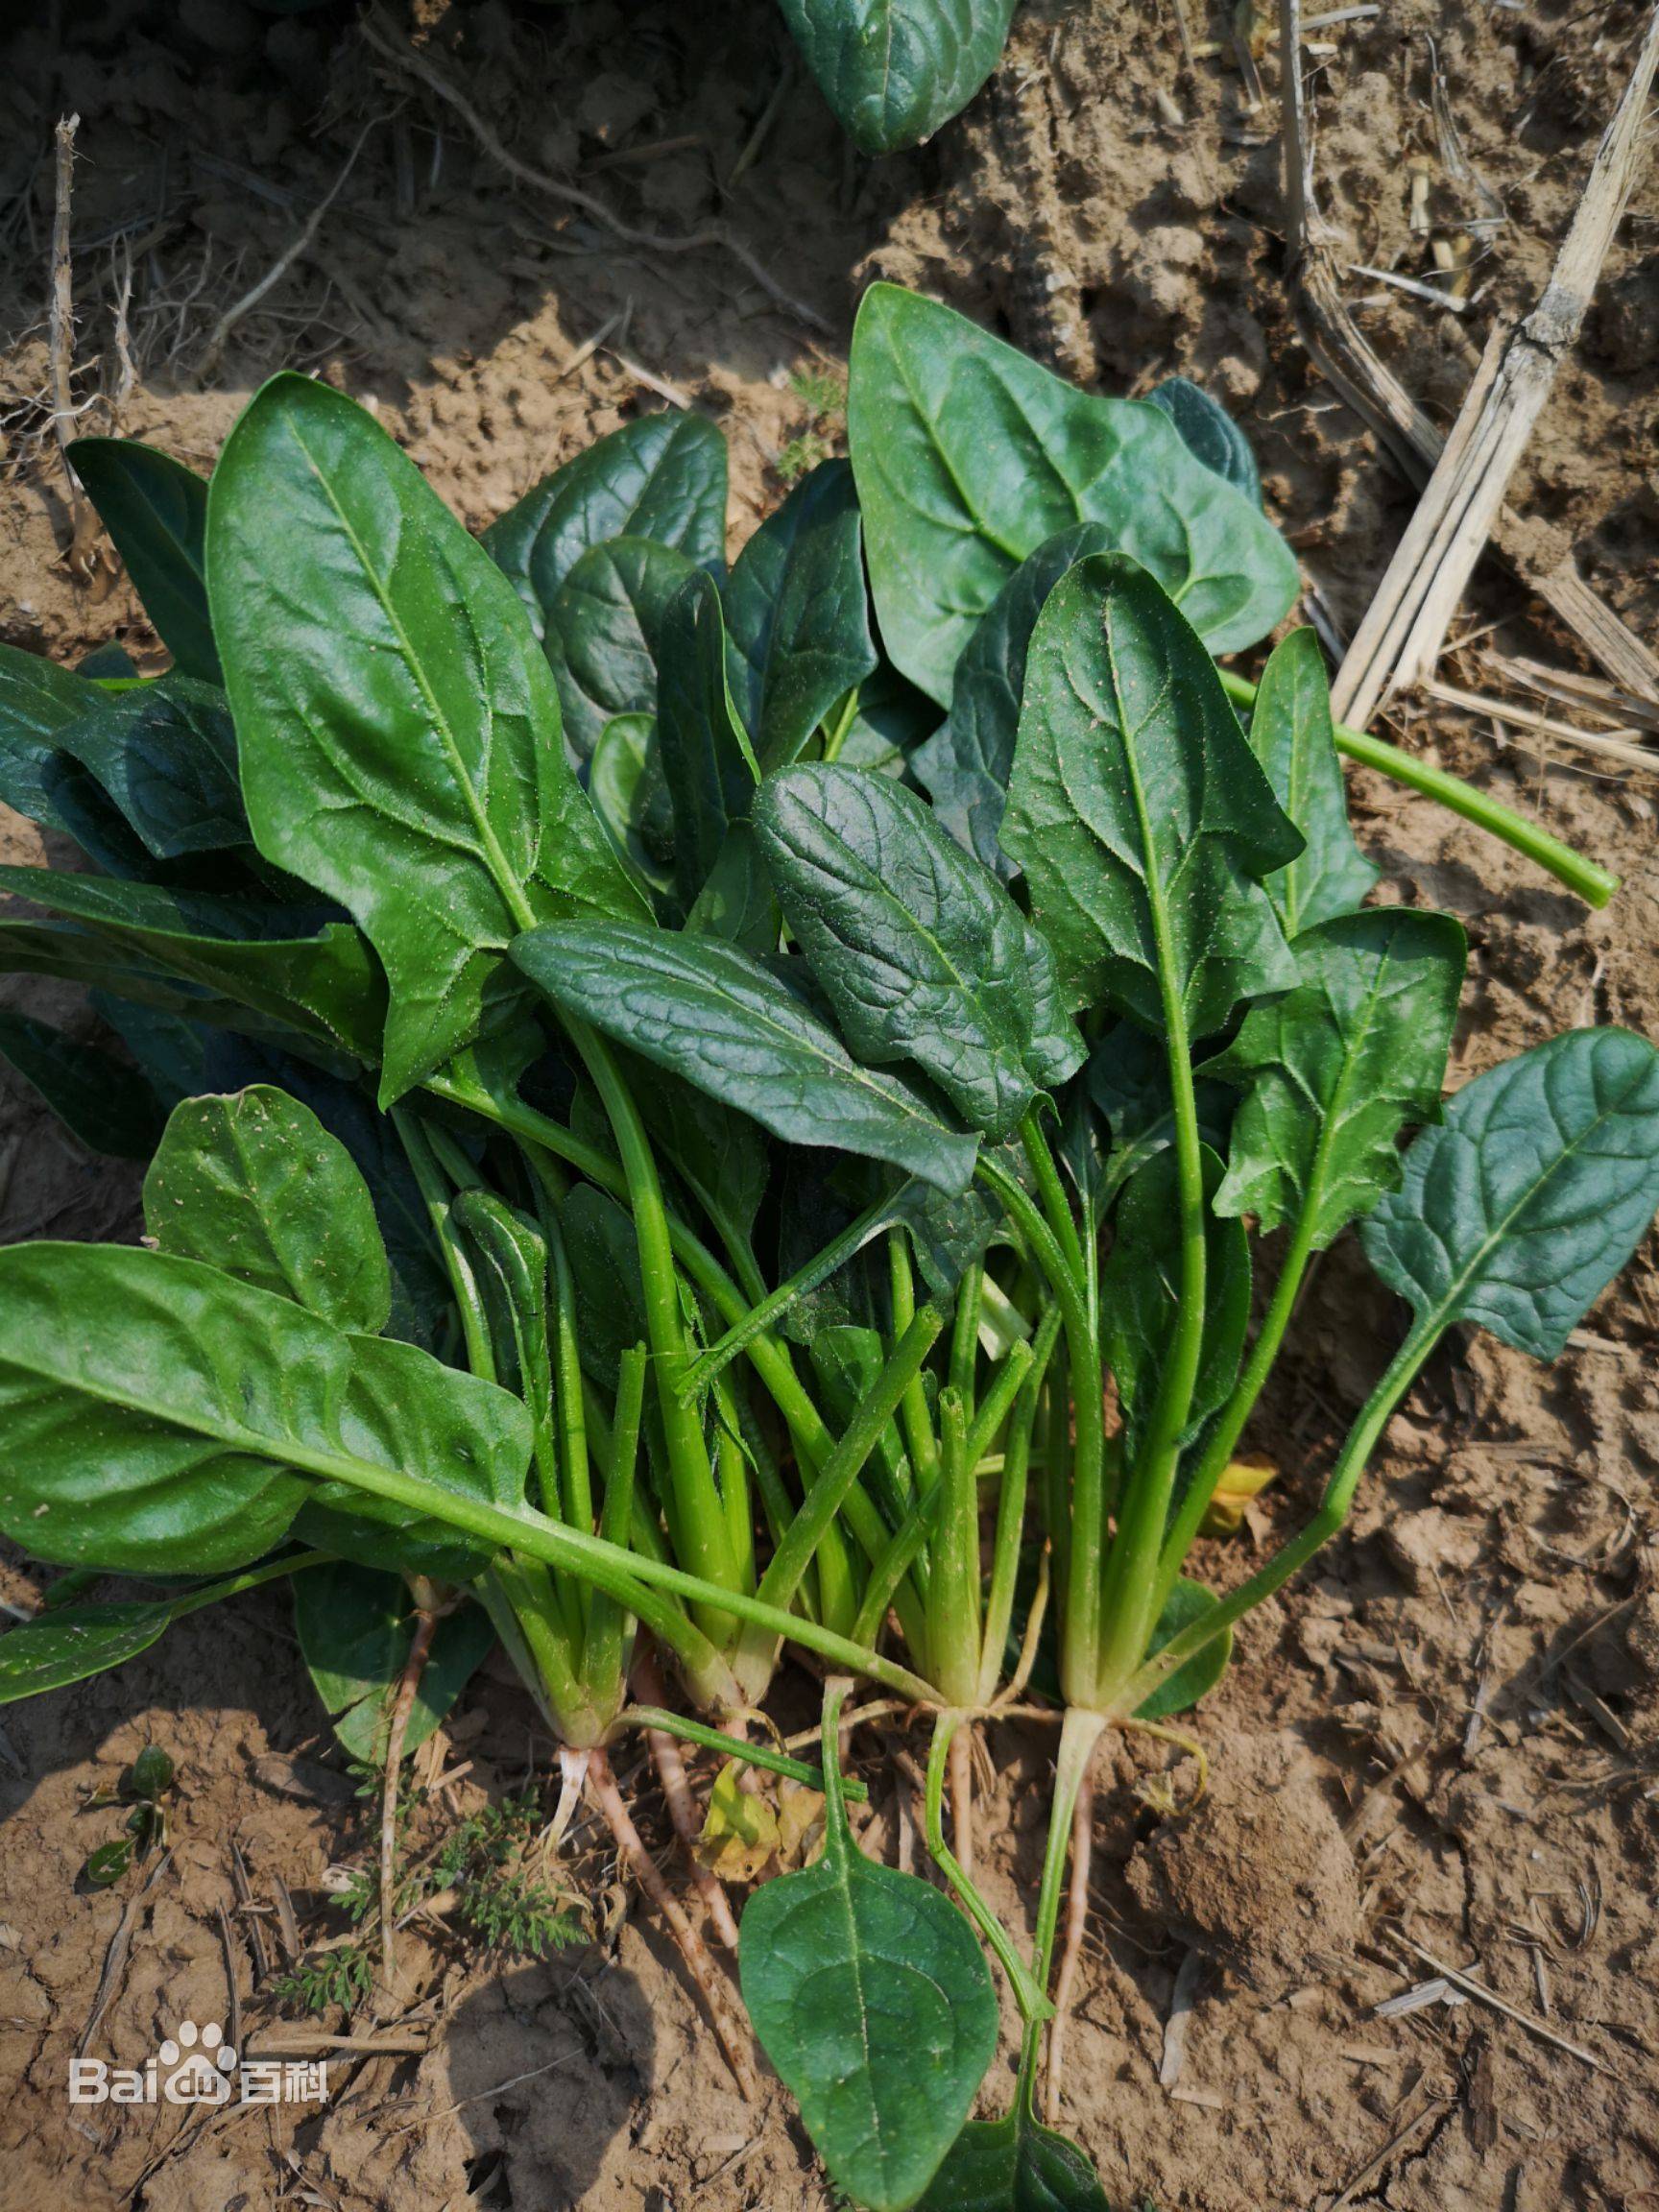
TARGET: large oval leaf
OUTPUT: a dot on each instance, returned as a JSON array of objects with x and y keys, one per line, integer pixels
[
  {"x": 716, "y": 1016},
  {"x": 1519, "y": 1210},
  {"x": 798, "y": 614},
  {"x": 156, "y": 511},
  {"x": 895, "y": 70},
  {"x": 662, "y": 477},
  {"x": 1292, "y": 736},
  {"x": 1336, "y": 1069},
  {"x": 397, "y": 725},
  {"x": 254, "y": 1185},
  {"x": 965, "y": 765},
  {"x": 872, "y": 1999},
  {"x": 158, "y": 1414},
  {"x": 923, "y": 954},
  {"x": 1139, "y": 812},
  {"x": 969, "y": 456}
]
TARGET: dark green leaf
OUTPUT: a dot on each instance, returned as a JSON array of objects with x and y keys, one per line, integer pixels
[
  {"x": 965, "y": 765},
  {"x": 1138, "y": 811},
  {"x": 155, "y": 510},
  {"x": 166, "y": 754},
  {"x": 1128, "y": 1082},
  {"x": 254, "y": 1185},
  {"x": 1014, "y": 2165},
  {"x": 662, "y": 478},
  {"x": 707, "y": 763},
  {"x": 921, "y": 954},
  {"x": 969, "y": 456},
  {"x": 890, "y": 722},
  {"x": 718, "y": 1154},
  {"x": 171, "y": 1052},
  {"x": 874, "y": 2001},
  {"x": 109, "y": 1107},
  {"x": 629, "y": 794},
  {"x": 397, "y": 727},
  {"x": 326, "y": 986},
  {"x": 1519, "y": 1210},
  {"x": 510, "y": 1260},
  {"x": 165, "y": 1418},
  {"x": 738, "y": 903},
  {"x": 355, "y": 1628},
  {"x": 798, "y": 614},
  {"x": 604, "y": 634},
  {"x": 604, "y": 1256},
  {"x": 1290, "y": 734},
  {"x": 1336, "y": 1069},
  {"x": 709, "y": 1012},
  {"x": 895, "y": 70},
  {"x": 38, "y": 701},
  {"x": 1186, "y": 1602},
  {"x": 1141, "y": 1296},
  {"x": 1209, "y": 433},
  {"x": 105, "y": 1866},
  {"x": 59, "y": 1648}
]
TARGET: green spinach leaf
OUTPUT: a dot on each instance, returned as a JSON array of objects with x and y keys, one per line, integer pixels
[
  {"x": 604, "y": 636},
  {"x": 156, "y": 511},
  {"x": 1519, "y": 1210},
  {"x": 895, "y": 70},
  {"x": 920, "y": 950},
  {"x": 1332, "y": 1072},
  {"x": 969, "y": 456},
  {"x": 397, "y": 725},
  {"x": 254, "y": 1183},
  {"x": 1138, "y": 812},
  {"x": 1291, "y": 735}
]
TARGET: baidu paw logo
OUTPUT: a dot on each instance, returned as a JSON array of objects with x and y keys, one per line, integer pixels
[{"x": 196, "y": 2065}]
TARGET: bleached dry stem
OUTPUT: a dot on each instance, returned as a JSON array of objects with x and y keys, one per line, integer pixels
[
  {"x": 705, "y": 1974},
  {"x": 1072, "y": 1941}
]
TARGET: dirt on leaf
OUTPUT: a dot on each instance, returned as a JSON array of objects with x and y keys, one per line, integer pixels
[{"x": 1444, "y": 1734}]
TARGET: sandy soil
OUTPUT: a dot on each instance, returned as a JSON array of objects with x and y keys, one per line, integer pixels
[{"x": 1444, "y": 1735}]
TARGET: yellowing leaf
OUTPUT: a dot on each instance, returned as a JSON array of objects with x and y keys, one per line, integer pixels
[
  {"x": 740, "y": 1831},
  {"x": 1245, "y": 1480}
]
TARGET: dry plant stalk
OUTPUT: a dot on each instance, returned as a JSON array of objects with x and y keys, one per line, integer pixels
[
  {"x": 1403, "y": 634},
  {"x": 82, "y": 555},
  {"x": 1335, "y": 342}
]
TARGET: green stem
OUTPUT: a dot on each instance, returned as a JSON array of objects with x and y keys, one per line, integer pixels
[
  {"x": 918, "y": 1423},
  {"x": 698, "y": 1524},
  {"x": 1125, "y": 1697},
  {"x": 1128, "y": 1602},
  {"x": 234, "y": 1585},
  {"x": 746, "y": 1753},
  {"x": 1010, "y": 1511},
  {"x": 1588, "y": 879},
  {"x": 1034, "y": 2005},
  {"x": 953, "y": 1624},
  {"x": 1078, "y": 1552},
  {"x": 1218, "y": 1450}
]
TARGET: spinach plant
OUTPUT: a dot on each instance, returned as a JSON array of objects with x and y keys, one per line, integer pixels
[{"x": 703, "y": 1111}]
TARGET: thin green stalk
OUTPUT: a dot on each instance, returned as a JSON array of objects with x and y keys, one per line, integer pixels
[
  {"x": 603, "y": 1650},
  {"x": 1079, "y": 1733},
  {"x": 1588, "y": 879},
  {"x": 1057, "y": 1212},
  {"x": 434, "y": 1191},
  {"x": 1078, "y": 1558},
  {"x": 1028, "y": 1995},
  {"x": 773, "y": 1305},
  {"x": 1223, "y": 1439},
  {"x": 251, "y": 1579},
  {"x": 695, "y": 1516},
  {"x": 828, "y": 1493},
  {"x": 1010, "y": 1511},
  {"x": 748, "y": 1754},
  {"x": 575, "y": 1469},
  {"x": 965, "y": 1338},
  {"x": 1128, "y": 1601},
  {"x": 1125, "y": 1697},
  {"x": 953, "y": 1624},
  {"x": 918, "y": 1423}
]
